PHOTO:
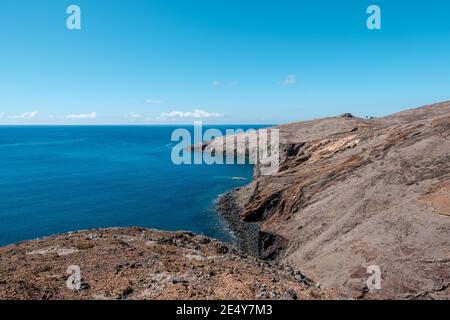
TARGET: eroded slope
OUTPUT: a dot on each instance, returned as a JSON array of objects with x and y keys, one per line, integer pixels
[{"x": 351, "y": 193}]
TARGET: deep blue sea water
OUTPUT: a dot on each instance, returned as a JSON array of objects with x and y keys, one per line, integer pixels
[{"x": 55, "y": 179}]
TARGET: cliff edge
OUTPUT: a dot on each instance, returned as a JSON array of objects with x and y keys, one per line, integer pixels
[{"x": 352, "y": 193}]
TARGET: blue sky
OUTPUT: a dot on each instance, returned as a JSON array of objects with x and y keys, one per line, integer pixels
[{"x": 223, "y": 61}]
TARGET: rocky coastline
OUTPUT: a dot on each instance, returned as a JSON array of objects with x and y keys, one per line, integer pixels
[
  {"x": 350, "y": 194},
  {"x": 247, "y": 234}
]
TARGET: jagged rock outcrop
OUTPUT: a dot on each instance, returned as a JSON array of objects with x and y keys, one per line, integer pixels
[
  {"x": 351, "y": 192},
  {"x": 137, "y": 263}
]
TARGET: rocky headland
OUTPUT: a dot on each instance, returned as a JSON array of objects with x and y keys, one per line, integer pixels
[
  {"x": 349, "y": 193},
  {"x": 352, "y": 193}
]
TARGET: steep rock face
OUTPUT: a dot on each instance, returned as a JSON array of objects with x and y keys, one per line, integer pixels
[
  {"x": 137, "y": 263},
  {"x": 351, "y": 193}
]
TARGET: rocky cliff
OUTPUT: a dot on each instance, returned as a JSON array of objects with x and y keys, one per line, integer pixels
[{"x": 351, "y": 193}]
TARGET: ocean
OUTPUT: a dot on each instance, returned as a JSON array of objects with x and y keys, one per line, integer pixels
[{"x": 55, "y": 179}]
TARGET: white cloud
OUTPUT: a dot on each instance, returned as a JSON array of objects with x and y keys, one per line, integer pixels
[
  {"x": 196, "y": 114},
  {"x": 290, "y": 80},
  {"x": 151, "y": 101},
  {"x": 26, "y": 115},
  {"x": 219, "y": 84},
  {"x": 92, "y": 115},
  {"x": 134, "y": 115},
  {"x": 2, "y": 115}
]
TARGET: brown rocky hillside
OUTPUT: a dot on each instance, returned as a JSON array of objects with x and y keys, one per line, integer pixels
[
  {"x": 354, "y": 192},
  {"x": 349, "y": 193},
  {"x": 137, "y": 263}
]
